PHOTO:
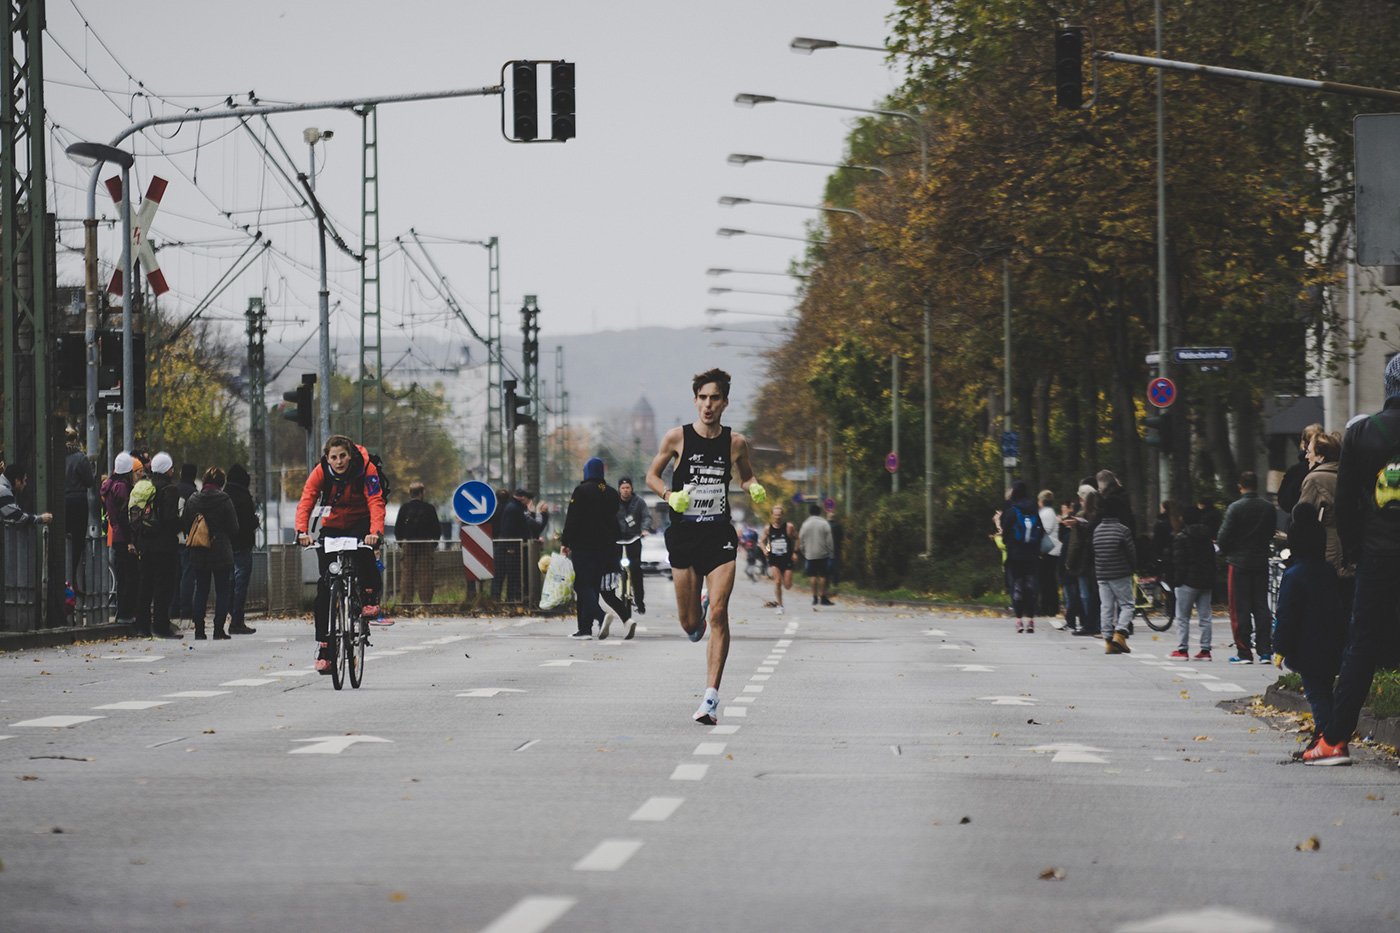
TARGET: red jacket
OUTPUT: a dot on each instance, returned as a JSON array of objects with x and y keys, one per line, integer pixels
[{"x": 351, "y": 498}]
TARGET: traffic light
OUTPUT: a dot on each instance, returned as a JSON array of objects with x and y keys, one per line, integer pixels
[
  {"x": 1069, "y": 67},
  {"x": 1159, "y": 430},
  {"x": 109, "y": 363},
  {"x": 303, "y": 399},
  {"x": 561, "y": 101},
  {"x": 524, "y": 101},
  {"x": 517, "y": 406}
]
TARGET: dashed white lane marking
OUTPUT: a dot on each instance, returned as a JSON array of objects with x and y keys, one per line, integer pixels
[
  {"x": 973, "y": 668},
  {"x": 935, "y": 631},
  {"x": 950, "y": 647},
  {"x": 709, "y": 748},
  {"x": 142, "y": 660},
  {"x": 4, "y": 737},
  {"x": 777, "y": 651},
  {"x": 300, "y": 673},
  {"x": 531, "y": 915},
  {"x": 1010, "y": 700},
  {"x": 564, "y": 663},
  {"x": 609, "y": 855},
  {"x": 738, "y": 712},
  {"x": 388, "y": 653},
  {"x": 742, "y": 700},
  {"x": 134, "y": 704},
  {"x": 761, "y": 677},
  {"x": 277, "y": 641},
  {"x": 1207, "y": 920},
  {"x": 1224, "y": 688},
  {"x": 488, "y": 691},
  {"x": 772, "y": 660},
  {"x": 53, "y": 722},
  {"x": 764, "y": 670},
  {"x": 195, "y": 694},
  {"x": 332, "y": 744},
  {"x": 248, "y": 682},
  {"x": 413, "y": 648},
  {"x": 1069, "y": 753},
  {"x": 752, "y": 688},
  {"x": 1196, "y": 675},
  {"x": 724, "y": 730},
  {"x": 447, "y": 639},
  {"x": 524, "y": 745},
  {"x": 657, "y": 809},
  {"x": 689, "y": 772},
  {"x": 783, "y": 642}
]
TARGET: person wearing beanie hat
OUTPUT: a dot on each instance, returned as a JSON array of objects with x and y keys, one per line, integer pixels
[
  {"x": 633, "y": 521},
  {"x": 79, "y": 488},
  {"x": 589, "y": 539},
  {"x": 154, "y": 517},
  {"x": 115, "y": 493},
  {"x": 1368, "y": 526},
  {"x": 242, "y": 541},
  {"x": 515, "y": 523}
]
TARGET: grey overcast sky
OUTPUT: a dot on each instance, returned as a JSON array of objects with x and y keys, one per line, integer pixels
[{"x": 612, "y": 230}]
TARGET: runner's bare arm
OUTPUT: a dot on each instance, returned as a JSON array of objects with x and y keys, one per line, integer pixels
[
  {"x": 739, "y": 454},
  {"x": 670, "y": 448}
]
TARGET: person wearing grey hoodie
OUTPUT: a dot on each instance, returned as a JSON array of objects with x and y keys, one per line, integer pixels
[
  {"x": 1114, "y": 560},
  {"x": 214, "y": 562}
]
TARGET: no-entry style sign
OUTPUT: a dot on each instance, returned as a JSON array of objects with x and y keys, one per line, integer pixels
[
  {"x": 1161, "y": 392},
  {"x": 892, "y": 462}
]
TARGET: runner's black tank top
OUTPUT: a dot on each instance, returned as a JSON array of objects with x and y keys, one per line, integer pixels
[
  {"x": 779, "y": 543},
  {"x": 704, "y": 466}
]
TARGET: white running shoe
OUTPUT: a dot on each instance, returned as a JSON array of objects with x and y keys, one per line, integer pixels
[
  {"x": 780, "y": 610},
  {"x": 705, "y": 715},
  {"x": 631, "y": 630},
  {"x": 608, "y": 620},
  {"x": 1058, "y": 624}
]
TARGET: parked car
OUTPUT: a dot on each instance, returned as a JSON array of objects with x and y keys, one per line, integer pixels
[{"x": 655, "y": 559}]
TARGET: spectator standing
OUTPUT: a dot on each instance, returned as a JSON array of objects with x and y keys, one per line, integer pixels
[
  {"x": 1320, "y": 491},
  {"x": 79, "y": 483},
  {"x": 1309, "y": 628},
  {"x": 1193, "y": 580},
  {"x": 155, "y": 526},
  {"x": 1069, "y": 585},
  {"x": 633, "y": 519},
  {"x": 516, "y": 523},
  {"x": 1048, "y": 565},
  {"x": 417, "y": 531},
  {"x": 1079, "y": 559},
  {"x": 1114, "y": 558},
  {"x": 183, "y": 596},
  {"x": 116, "y": 490},
  {"x": 1245, "y": 538},
  {"x": 214, "y": 563},
  {"x": 13, "y": 481},
  {"x": 589, "y": 539},
  {"x": 1021, "y": 532},
  {"x": 1368, "y": 523},
  {"x": 242, "y": 542},
  {"x": 815, "y": 542},
  {"x": 1290, "y": 488}
]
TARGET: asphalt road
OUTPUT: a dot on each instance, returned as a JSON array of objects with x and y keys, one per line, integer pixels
[{"x": 876, "y": 768}]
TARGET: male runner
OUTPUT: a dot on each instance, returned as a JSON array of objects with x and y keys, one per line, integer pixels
[
  {"x": 779, "y": 543},
  {"x": 701, "y": 539}
]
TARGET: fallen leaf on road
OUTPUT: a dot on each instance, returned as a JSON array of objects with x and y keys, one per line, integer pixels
[
  {"x": 398, "y": 897},
  {"x": 1202, "y": 738},
  {"x": 1375, "y": 796},
  {"x": 29, "y": 777},
  {"x": 1032, "y": 722},
  {"x": 996, "y": 735},
  {"x": 208, "y": 731},
  {"x": 728, "y": 757},
  {"x": 1311, "y": 844},
  {"x": 964, "y": 821},
  {"x": 1052, "y": 874}
]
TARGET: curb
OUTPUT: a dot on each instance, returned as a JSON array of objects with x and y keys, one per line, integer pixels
[
  {"x": 53, "y": 637},
  {"x": 1370, "y": 727}
]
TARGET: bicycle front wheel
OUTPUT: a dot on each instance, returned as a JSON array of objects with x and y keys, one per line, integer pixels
[
  {"x": 339, "y": 615},
  {"x": 355, "y": 638}
]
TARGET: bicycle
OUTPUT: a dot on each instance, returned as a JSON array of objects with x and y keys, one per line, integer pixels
[
  {"x": 624, "y": 586},
  {"x": 347, "y": 632},
  {"x": 1146, "y": 598}
]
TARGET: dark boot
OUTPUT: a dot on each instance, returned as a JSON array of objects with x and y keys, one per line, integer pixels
[
  {"x": 140, "y": 631},
  {"x": 166, "y": 631},
  {"x": 241, "y": 628},
  {"x": 199, "y": 630},
  {"x": 219, "y": 633}
]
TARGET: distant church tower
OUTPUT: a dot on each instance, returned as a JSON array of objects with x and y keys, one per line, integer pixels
[{"x": 644, "y": 424}]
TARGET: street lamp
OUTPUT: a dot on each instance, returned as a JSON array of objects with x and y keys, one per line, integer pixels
[
  {"x": 313, "y": 135},
  {"x": 803, "y": 45},
  {"x": 718, "y": 290},
  {"x": 783, "y": 315},
  {"x": 89, "y": 154},
  {"x": 743, "y": 158},
  {"x": 713, "y": 271},
  {"x": 730, "y": 200},
  {"x": 733, "y": 232}
]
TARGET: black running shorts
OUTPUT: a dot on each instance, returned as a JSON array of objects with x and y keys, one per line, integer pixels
[{"x": 701, "y": 546}]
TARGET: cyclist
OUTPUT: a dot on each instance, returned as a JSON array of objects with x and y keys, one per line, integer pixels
[{"x": 345, "y": 493}]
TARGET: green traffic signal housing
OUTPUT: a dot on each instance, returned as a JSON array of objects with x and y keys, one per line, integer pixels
[{"x": 1160, "y": 430}]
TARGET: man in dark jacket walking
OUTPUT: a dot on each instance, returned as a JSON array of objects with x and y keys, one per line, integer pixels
[
  {"x": 1244, "y": 539},
  {"x": 515, "y": 524},
  {"x": 417, "y": 531},
  {"x": 1368, "y": 523},
  {"x": 157, "y": 537},
  {"x": 1193, "y": 578},
  {"x": 242, "y": 541},
  {"x": 590, "y": 541}
]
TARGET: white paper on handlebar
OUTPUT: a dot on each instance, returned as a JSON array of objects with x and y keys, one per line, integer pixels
[{"x": 336, "y": 545}]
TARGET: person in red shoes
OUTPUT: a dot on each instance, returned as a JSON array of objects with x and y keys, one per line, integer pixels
[{"x": 345, "y": 494}]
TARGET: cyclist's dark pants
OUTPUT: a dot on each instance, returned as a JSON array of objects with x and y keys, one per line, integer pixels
[
  {"x": 589, "y": 570},
  {"x": 634, "y": 558},
  {"x": 366, "y": 571}
]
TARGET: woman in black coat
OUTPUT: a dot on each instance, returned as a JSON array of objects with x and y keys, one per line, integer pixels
[{"x": 216, "y": 560}]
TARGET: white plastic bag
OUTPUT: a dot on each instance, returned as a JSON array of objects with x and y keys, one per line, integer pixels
[{"x": 558, "y": 582}]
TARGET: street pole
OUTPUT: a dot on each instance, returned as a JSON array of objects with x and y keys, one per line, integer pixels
[
  {"x": 312, "y": 135},
  {"x": 128, "y": 331},
  {"x": 1006, "y": 364},
  {"x": 894, "y": 419},
  {"x": 1163, "y": 460}
]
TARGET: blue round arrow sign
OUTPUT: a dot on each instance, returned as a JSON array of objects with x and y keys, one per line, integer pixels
[{"x": 474, "y": 502}]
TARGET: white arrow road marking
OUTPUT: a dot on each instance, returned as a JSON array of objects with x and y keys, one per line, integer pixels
[
  {"x": 134, "y": 704},
  {"x": 1010, "y": 701},
  {"x": 248, "y": 682},
  {"x": 488, "y": 691},
  {"x": 657, "y": 809},
  {"x": 54, "y": 722},
  {"x": 724, "y": 730},
  {"x": 1208, "y": 920},
  {"x": 195, "y": 694},
  {"x": 531, "y": 915},
  {"x": 1071, "y": 753},
  {"x": 1224, "y": 688},
  {"x": 332, "y": 744},
  {"x": 564, "y": 663},
  {"x": 973, "y": 668},
  {"x": 935, "y": 631},
  {"x": 4, "y": 737},
  {"x": 689, "y": 772},
  {"x": 709, "y": 748},
  {"x": 609, "y": 855}
]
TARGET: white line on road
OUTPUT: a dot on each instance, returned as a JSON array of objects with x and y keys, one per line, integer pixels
[
  {"x": 488, "y": 691},
  {"x": 771, "y": 660},
  {"x": 195, "y": 694},
  {"x": 750, "y": 688},
  {"x": 1069, "y": 753},
  {"x": 657, "y": 809},
  {"x": 134, "y": 704},
  {"x": 742, "y": 700},
  {"x": 4, "y": 737},
  {"x": 53, "y": 722},
  {"x": 724, "y": 730},
  {"x": 388, "y": 653},
  {"x": 761, "y": 677},
  {"x": 277, "y": 641},
  {"x": 784, "y": 642},
  {"x": 333, "y": 744},
  {"x": 248, "y": 682},
  {"x": 522, "y": 747},
  {"x": 564, "y": 663},
  {"x": 709, "y": 748},
  {"x": 689, "y": 772},
  {"x": 1224, "y": 688},
  {"x": 412, "y": 648},
  {"x": 1196, "y": 675},
  {"x": 145, "y": 660},
  {"x": 738, "y": 712},
  {"x": 301, "y": 673},
  {"x": 935, "y": 631},
  {"x": 609, "y": 855},
  {"x": 1010, "y": 700},
  {"x": 973, "y": 668},
  {"x": 764, "y": 670},
  {"x": 531, "y": 915},
  {"x": 946, "y": 647}
]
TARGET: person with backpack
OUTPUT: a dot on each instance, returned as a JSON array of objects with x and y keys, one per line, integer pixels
[
  {"x": 242, "y": 542},
  {"x": 153, "y": 514},
  {"x": 346, "y": 492},
  {"x": 1021, "y": 533},
  {"x": 116, "y": 490},
  {"x": 210, "y": 523}
]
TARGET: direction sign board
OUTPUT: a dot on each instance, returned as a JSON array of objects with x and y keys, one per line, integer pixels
[
  {"x": 1377, "y": 174},
  {"x": 1202, "y": 354},
  {"x": 1010, "y": 444},
  {"x": 474, "y": 502},
  {"x": 1161, "y": 392}
]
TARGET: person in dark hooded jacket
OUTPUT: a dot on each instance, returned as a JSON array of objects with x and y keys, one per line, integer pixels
[
  {"x": 157, "y": 537},
  {"x": 214, "y": 563},
  {"x": 590, "y": 541},
  {"x": 242, "y": 542},
  {"x": 1192, "y": 570},
  {"x": 1021, "y": 532}
]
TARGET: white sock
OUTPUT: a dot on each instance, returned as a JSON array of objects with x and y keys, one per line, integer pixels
[{"x": 711, "y": 696}]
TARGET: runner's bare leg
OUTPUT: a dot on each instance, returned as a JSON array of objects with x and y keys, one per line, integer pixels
[
  {"x": 721, "y": 584},
  {"x": 687, "y": 586}
]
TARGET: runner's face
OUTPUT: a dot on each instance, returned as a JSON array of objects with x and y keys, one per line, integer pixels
[
  {"x": 710, "y": 403},
  {"x": 339, "y": 459}
]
